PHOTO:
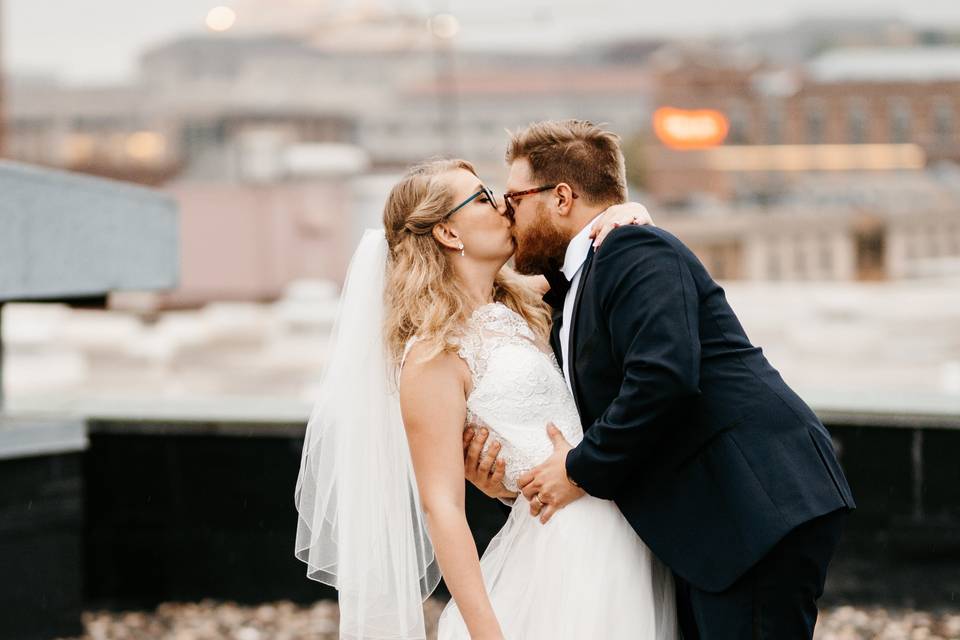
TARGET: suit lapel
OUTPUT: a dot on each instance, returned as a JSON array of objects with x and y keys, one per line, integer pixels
[
  {"x": 571, "y": 352},
  {"x": 555, "y": 297},
  {"x": 557, "y": 317}
]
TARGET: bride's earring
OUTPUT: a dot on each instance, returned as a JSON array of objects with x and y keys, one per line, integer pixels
[{"x": 461, "y": 250}]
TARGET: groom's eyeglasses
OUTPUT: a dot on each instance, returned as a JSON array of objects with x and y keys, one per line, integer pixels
[
  {"x": 483, "y": 192},
  {"x": 517, "y": 194}
]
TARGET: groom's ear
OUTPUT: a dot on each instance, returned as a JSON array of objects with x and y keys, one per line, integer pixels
[
  {"x": 564, "y": 198},
  {"x": 447, "y": 236}
]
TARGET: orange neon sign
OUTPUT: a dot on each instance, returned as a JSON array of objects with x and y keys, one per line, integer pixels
[{"x": 690, "y": 129}]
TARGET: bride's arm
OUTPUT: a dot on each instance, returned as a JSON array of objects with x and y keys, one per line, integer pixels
[{"x": 432, "y": 399}]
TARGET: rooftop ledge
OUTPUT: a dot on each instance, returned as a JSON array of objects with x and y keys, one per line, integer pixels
[
  {"x": 235, "y": 415},
  {"x": 68, "y": 236}
]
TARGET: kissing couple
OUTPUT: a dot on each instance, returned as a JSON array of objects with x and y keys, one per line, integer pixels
[{"x": 663, "y": 480}]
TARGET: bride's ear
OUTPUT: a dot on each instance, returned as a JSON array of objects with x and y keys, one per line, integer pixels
[{"x": 447, "y": 236}]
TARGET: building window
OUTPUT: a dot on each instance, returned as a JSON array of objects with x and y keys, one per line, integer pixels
[
  {"x": 800, "y": 259},
  {"x": 869, "y": 244},
  {"x": 943, "y": 120},
  {"x": 826, "y": 256},
  {"x": 815, "y": 120},
  {"x": 719, "y": 271},
  {"x": 738, "y": 124},
  {"x": 774, "y": 114},
  {"x": 856, "y": 123},
  {"x": 773, "y": 262},
  {"x": 900, "y": 121}
]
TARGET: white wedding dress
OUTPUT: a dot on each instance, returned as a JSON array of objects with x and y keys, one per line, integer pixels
[{"x": 585, "y": 574}]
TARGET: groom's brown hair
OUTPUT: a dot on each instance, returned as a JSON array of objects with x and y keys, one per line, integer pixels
[{"x": 578, "y": 152}]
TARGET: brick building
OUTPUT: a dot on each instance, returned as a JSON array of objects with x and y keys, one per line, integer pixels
[{"x": 848, "y": 110}]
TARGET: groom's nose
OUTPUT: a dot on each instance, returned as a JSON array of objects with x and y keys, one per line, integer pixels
[{"x": 506, "y": 210}]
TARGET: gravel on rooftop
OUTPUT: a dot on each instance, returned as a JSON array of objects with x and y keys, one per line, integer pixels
[{"x": 215, "y": 620}]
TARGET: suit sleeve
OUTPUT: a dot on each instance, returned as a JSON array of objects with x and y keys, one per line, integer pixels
[{"x": 649, "y": 300}]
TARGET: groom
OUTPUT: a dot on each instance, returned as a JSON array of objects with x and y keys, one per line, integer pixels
[{"x": 722, "y": 470}]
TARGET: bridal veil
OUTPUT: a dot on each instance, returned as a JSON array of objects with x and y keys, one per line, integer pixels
[{"x": 360, "y": 526}]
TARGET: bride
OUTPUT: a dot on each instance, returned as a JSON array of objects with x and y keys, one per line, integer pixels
[{"x": 435, "y": 332}]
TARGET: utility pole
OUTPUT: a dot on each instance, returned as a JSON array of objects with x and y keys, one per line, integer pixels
[
  {"x": 3, "y": 111},
  {"x": 3, "y": 124},
  {"x": 443, "y": 30}
]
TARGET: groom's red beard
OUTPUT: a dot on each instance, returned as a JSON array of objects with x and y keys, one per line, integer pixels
[{"x": 540, "y": 247}]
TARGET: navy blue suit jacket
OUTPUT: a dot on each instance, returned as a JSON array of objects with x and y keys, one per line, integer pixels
[{"x": 710, "y": 456}]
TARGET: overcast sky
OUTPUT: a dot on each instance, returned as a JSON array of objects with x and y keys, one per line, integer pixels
[{"x": 99, "y": 40}]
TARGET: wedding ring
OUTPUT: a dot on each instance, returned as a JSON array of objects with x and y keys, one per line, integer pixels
[{"x": 541, "y": 502}]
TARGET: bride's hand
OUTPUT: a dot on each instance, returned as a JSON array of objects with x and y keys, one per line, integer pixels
[
  {"x": 483, "y": 470},
  {"x": 617, "y": 216}
]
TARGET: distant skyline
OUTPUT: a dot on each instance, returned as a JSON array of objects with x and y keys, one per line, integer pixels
[{"x": 98, "y": 41}]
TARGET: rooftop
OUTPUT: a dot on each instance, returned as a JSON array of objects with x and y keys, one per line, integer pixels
[{"x": 888, "y": 64}]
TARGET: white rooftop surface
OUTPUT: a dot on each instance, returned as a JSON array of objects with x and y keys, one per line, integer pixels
[
  {"x": 848, "y": 348},
  {"x": 869, "y": 64}
]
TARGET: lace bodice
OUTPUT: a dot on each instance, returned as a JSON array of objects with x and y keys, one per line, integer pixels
[{"x": 517, "y": 389}]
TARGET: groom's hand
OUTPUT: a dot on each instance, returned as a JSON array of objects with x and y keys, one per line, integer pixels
[
  {"x": 546, "y": 487},
  {"x": 483, "y": 470}
]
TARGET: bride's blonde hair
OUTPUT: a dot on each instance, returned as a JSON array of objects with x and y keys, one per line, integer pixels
[{"x": 423, "y": 295}]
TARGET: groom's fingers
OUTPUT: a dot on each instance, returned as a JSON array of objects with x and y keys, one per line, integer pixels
[
  {"x": 529, "y": 491},
  {"x": 497, "y": 476},
  {"x": 474, "y": 448},
  {"x": 547, "y": 513},
  {"x": 486, "y": 463},
  {"x": 525, "y": 479}
]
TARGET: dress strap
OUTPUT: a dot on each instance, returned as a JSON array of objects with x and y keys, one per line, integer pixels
[{"x": 406, "y": 350}]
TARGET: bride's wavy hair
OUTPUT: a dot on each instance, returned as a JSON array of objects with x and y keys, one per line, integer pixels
[{"x": 423, "y": 295}]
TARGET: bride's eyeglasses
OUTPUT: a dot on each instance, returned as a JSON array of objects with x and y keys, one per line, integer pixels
[{"x": 483, "y": 193}]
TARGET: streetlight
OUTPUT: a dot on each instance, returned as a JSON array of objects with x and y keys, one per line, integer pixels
[
  {"x": 221, "y": 18},
  {"x": 444, "y": 25}
]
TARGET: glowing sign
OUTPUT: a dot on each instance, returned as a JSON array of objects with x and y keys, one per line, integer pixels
[{"x": 687, "y": 129}]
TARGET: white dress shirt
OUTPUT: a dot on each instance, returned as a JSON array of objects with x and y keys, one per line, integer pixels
[{"x": 577, "y": 252}]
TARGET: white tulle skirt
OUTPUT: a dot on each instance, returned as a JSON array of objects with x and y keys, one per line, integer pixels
[{"x": 584, "y": 574}]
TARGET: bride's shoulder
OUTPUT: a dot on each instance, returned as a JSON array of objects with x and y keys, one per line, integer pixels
[{"x": 422, "y": 361}]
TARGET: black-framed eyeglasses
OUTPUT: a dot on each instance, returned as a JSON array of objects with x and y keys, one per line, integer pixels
[
  {"x": 483, "y": 191},
  {"x": 517, "y": 194}
]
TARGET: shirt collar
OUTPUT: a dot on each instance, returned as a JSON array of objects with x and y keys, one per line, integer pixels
[{"x": 577, "y": 250}]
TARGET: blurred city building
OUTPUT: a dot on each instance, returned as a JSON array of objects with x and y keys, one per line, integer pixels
[
  {"x": 281, "y": 147},
  {"x": 203, "y": 105},
  {"x": 859, "y": 227},
  {"x": 796, "y": 42},
  {"x": 845, "y": 111},
  {"x": 818, "y": 151}
]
